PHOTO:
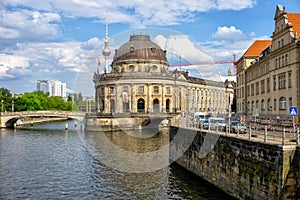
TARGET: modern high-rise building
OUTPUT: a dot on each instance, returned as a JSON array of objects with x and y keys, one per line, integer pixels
[
  {"x": 268, "y": 74},
  {"x": 53, "y": 87}
]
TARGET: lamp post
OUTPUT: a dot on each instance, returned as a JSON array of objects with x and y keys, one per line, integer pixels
[
  {"x": 2, "y": 102},
  {"x": 12, "y": 106}
]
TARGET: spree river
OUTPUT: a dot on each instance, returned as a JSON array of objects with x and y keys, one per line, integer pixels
[{"x": 46, "y": 162}]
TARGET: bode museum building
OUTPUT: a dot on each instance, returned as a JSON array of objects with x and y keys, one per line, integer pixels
[{"x": 141, "y": 82}]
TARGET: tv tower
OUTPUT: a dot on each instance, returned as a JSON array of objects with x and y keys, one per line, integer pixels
[{"x": 106, "y": 50}]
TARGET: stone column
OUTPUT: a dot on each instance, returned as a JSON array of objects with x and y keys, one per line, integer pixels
[
  {"x": 132, "y": 98},
  {"x": 106, "y": 102},
  {"x": 116, "y": 103},
  {"x": 188, "y": 96},
  {"x": 163, "y": 87}
]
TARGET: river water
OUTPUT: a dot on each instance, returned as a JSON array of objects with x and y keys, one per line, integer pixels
[{"x": 46, "y": 162}]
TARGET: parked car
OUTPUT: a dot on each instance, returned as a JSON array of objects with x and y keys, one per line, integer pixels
[
  {"x": 204, "y": 124},
  {"x": 217, "y": 123},
  {"x": 236, "y": 126}
]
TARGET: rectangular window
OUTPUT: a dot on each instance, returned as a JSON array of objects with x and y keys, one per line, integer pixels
[
  {"x": 156, "y": 89},
  {"x": 102, "y": 91},
  {"x": 290, "y": 79},
  {"x": 248, "y": 90},
  {"x": 257, "y": 87},
  {"x": 168, "y": 90},
  {"x": 125, "y": 89},
  {"x": 242, "y": 92},
  {"x": 274, "y": 82},
  {"x": 286, "y": 59},
  {"x": 275, "y": 104},
  {"x": 252, "y": 90},
  {"x": 262, "y": 86},
  {"x": 282, "y": 103},
  {"x": 281, "y": 80},
  {"x": 268, "y": 84},
  {"x": 141, "y": 89},
  {"x": 111, "y": 90}
]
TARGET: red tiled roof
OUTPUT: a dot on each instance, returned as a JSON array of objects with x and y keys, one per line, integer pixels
[
  {"x": 257, "y": 47},
  {"x": 294, "y": 18}
]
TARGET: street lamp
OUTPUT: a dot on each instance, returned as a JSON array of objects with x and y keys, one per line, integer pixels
[
  {"x": 12, "y": 106},
  {"x": 2, "y": 101}
]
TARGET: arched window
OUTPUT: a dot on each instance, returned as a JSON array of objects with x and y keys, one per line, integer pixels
[
  {"x": 131, "y": 68},
  {"x": 102, "y": 105},
  {"x": 290, "y": 101},
  {"x": 282, "y": 101},
  {"x": 263, "y": 106},
  {"x": 168, "y": 102},
  {"x": 154, "y": 67},
  {"x": 112, "y": 106},
  {"x": 269, "y": 104}
]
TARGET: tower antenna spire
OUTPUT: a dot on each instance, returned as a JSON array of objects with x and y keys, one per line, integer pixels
[
  {"x": 106, "y": 51},
  {"x": 106, "y": 26}
]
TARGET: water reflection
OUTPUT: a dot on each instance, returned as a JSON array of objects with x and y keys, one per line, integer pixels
[
  {"x": 46, "y": 162},
  {"x": 127, "y": 151}
]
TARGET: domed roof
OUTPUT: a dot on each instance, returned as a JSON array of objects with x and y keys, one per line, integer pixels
[{"x": 139, "y": 47}]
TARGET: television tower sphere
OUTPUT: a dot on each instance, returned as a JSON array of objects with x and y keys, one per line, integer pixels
[{"x": 106, "y": 51}]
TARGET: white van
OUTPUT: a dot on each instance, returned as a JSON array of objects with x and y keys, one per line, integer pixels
[
  {"x": 200, "y": 115},
  {"x": 217, "y": 123}
]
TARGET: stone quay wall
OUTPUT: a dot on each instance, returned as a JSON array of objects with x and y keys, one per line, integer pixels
[{"x": 242, "y": 168}]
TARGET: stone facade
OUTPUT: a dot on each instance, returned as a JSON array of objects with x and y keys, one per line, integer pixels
[
  {"x": 245, "y": 169},
  {"x": 140, "y": 82},
  {"x": 268, "y": 76}
]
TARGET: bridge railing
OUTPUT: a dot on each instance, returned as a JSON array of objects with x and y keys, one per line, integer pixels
[
  {"x": 42, "y": 112},
  {"x": 280, "y": 136}
]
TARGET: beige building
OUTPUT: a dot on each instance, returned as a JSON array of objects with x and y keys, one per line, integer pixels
[
  {"x": 268, "y": 80},
  {"x": 140, "y": 81}
]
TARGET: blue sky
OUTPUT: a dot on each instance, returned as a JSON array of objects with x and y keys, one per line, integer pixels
[{"x": 59, "y": 39}]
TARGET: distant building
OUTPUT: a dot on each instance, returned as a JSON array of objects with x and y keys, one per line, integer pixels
[
  {"x": 54, "y": 87},
  {"x": 268, "y": 72}
]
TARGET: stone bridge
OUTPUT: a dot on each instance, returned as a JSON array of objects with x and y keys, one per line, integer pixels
[
  {"x": 8, "y": 119},
  {"x": 111, "y": 121}
]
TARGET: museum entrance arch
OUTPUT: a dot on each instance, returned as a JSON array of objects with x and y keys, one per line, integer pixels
[
  {"x": 141, "y": 105},
  {"x": 156, "y": 107}
]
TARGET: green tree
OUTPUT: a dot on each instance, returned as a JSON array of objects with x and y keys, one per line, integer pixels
[{"x": 6, "y": 98}]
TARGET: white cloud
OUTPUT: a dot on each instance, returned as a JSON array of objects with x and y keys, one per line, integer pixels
[
  {"x": 231, "y": 32},
  {"x": 25, "y": 24},
  {"x": 187, "y": 55},
  {"x": 235, "y": 4},
  {"x": 12, "y": 66},
  {"x": 136, "y": 12},
  {"x": 47, "y": 58},
  {"x": 92, "y": 44}
]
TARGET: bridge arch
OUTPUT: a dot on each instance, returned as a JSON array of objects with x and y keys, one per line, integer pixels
[{"x": 11, "y": 122}]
